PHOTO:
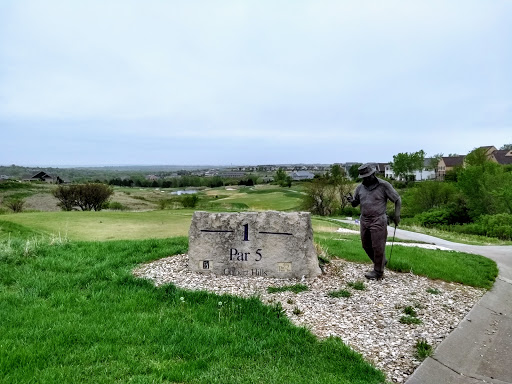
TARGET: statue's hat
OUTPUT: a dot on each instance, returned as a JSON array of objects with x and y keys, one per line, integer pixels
[{"x": 366, "y": 170}]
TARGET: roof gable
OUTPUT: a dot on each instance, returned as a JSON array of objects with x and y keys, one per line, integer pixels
[
  {"x": 453, "y": 161},
  {"x": 503, "y": 156}
]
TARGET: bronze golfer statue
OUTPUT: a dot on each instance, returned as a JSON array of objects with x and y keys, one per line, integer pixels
[{"x": 372, "y": 194}]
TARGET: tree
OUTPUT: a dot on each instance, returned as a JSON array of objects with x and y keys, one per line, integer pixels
[
  {"x": 353, "y": 171},
  {"x": 506, "y": 147},
  {"x": 87, "y": 197},
  {"x": 14, "y": 204},
  {"x": 428, "y": 195},
  {"x": 477, "y": 156},
  {"x": 487, "y": 189},
  {"x": 342, "y": 184},
  {"x": 189, "y": 201},
  {"x": 320, "y": 197},
  {"x": 282, "y": 178},
  {"x": 434, "y": 162},
  {"x": 66, "y": 196},
  {"x": 404, "y": 164}
]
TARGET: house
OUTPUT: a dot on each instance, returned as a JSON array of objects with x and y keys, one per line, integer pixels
[
  {"x": 427, "y": 172},
  {"x": 448, "y": 164},
  {"x": 45, "y": 177},
  {"x": 380, "y": 169},
  {"x": 232, "y": 174},
  {"x": 388, "y": 172},
  {"x": 301, "y": 175},
  {"x": 501, "y": 156}
]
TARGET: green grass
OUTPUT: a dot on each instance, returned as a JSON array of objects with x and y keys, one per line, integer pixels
[
  {"x": 357, "y": 285},
  {"x": 259, "y": 198},
  {"x": 105, "y": 225},
  {"x": 297, "y": 288},
  {"x": 423, "y": 349},
  {"x": 410, "y": 311},
  {"x": 459, "y": 267},
  {"x": 16, "y": 231},
  {"x": 73, "y": 313},
  {"x": 407, "y": 319},
  {"x": 339, "y": 293}
]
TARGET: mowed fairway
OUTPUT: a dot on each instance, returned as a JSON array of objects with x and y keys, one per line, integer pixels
[
  {"x": 260, "y": 198},
  {"x": 104, "y": 225}
]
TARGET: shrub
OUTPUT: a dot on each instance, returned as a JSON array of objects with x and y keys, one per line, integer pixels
[
  {"x": 114, "y": 205},
  {"x": 16, "y": 205},
  {"x": 87, "y": 197},
  {"x": 189, "y": 201}
]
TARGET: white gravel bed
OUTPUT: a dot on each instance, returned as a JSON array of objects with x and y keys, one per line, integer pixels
[{"x": 368, "y": 320}]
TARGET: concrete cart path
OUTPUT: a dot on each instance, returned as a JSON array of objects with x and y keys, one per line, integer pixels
[{"x": 479, "y": 350}]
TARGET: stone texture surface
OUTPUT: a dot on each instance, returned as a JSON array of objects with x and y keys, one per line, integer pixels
[{"x": 268, "y": 244}]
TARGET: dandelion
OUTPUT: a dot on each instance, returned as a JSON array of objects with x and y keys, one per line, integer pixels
[
  {"x": 182, "y": 299},
  {"x": 220, "y": 303}
]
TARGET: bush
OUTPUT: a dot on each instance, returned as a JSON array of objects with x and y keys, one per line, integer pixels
[
  {"x": 189, "y": 201},
  {"x": 434, "y": 218},
  {"x": 114, "y": 205},
  {"x": 87, "y": 197},
  {"x": 499, "y": 226},
  {"x": 428, "y": 195},
  {"x": 16, "y": 205}
]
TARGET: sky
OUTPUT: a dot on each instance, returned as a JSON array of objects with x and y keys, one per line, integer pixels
[{"x": 104, "y": 82}]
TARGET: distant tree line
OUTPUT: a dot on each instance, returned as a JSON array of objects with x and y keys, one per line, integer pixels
[{"x": 183, "y": 182}]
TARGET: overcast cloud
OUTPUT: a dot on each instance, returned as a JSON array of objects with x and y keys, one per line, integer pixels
[{"x": 251, "y": 82}]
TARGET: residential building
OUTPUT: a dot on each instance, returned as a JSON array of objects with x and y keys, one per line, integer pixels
[
  {"x": 43, "y": 176},
  {"x": 501, "y": 156},
  {"x": 301, "y": 175},
  {"x": 448, "y": 164}
]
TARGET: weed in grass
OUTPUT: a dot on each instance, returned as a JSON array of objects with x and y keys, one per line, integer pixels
[
  {"x": 410, "y": 311},
  {"x": 423, "y": 349},
  {"x": 297, "y": 288},
  {"x": 290, "y": 301},
  {"x": 410, "y": 320},
  {"x": 339, "y": 293},
  {"x": 297, "y": 311},
  {"x": 359, "y": 285},
  {"x": 433, "y": 291}
]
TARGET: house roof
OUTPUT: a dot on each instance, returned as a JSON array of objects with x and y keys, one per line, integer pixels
[
  {"x": 489, "y": 149},
  {"x": 41, "y": 175},
  {"x": 503, "y": 156},
  {"x": 454, "y": 161},
  {"x": 381, "y": 167}
]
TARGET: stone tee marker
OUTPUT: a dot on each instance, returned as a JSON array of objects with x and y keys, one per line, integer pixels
[{"x": 270, "y": 244}]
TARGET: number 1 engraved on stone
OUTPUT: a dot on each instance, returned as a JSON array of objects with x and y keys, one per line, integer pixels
[{"x": 246, "y": 232}]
